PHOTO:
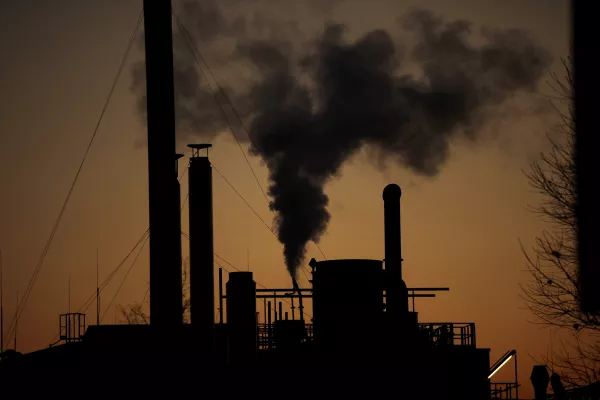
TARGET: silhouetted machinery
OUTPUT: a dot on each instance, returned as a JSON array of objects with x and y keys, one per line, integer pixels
[
  {"x": 353, "y": 325},
  {"x": 360, "y": 318}
]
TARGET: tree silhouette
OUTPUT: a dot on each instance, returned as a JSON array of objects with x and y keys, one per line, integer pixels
[
  {"x": 552, "y": 294},
  {"x": 135, "y": 314}
]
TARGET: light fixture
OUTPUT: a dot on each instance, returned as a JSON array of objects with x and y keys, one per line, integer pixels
[{"x": 500, "y": 363}]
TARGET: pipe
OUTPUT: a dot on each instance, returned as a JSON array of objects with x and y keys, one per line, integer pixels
[
  {"x": 293, "y": 309},
  {"x": 269, "y": 324},
  {"x": 280, "y": 310},
  {"x": 396, "y": 291},
  {"x": 300, "y": 305},
  {"x": 165, "y": 255},
  {"x": 220, "y": 295},
  {"x": 202, "y": 292}
]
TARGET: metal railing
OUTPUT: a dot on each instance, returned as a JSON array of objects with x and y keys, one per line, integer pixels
[
  {"x": 450, "y": 333},
  {"x": 504, "y": 390},
  {"x": 72, "y": 327},
  {"x": 439, "y": 333}
]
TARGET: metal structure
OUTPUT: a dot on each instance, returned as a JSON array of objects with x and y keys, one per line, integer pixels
[
  {"x": 397, "y": 303},
  {"x": 505, "y": 390},
  {"x": 201, "y": 247},
  {"x": 72, "y": 327},
  {"x": 360, "y": 308},
  {"x": 164, "y": 207}
]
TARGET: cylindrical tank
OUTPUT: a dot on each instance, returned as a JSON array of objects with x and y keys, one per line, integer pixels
[
  {"x": 347, "y": 303},
  {"x": 242, "y": 344}
]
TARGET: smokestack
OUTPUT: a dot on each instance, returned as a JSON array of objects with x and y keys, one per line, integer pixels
[
  {"x": 396, "y": 292},
  {"x": 201, "y": 248},
  {"x": 241, "y": 320},
  {"x": 164, "y": 207}
]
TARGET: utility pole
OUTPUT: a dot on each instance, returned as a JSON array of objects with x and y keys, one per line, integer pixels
[
  {"x": 97, "y": 289},
  {"x": 1, "y": 309},
  {"x": 16, "y": 320}
]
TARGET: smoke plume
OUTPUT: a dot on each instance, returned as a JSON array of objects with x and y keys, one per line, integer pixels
[{"x": 311, "y": 112}]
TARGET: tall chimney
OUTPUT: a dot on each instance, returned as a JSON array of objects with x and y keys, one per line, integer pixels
[
  {"x": 396, "y": 292},
  {"x": 202, "y": 295},
  {"x": 164, "y": 207}
]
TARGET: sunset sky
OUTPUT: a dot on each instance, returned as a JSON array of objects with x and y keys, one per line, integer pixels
[{"x": 461, "y": 228}]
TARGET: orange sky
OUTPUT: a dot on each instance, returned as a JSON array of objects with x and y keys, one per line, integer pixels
[{"x": 460, "y": 229}]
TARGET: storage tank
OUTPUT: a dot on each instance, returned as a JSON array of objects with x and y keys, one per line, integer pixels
[
  {"x": 347, "y": 305},
  {"x": 241, "y": 320}
]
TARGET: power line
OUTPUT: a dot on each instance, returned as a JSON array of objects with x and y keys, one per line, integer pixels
[
  {"x": 195, "y": 50},
  {"x": 90, "y": 300},
  {"x": 37, "y": 269},
  {"x": 253, "y": 210},
  {"x": 145, "y": 236},
  {"x": 190, "y": 43},
  {"x": 106, "y": 281},
  {"x": 244, "y": 200},
  {"x": 125, "y": 277}
]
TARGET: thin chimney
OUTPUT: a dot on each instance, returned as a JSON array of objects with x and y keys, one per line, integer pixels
[
  {"x": 396, "y": 293},
  {"x": 202, "y": 280}
]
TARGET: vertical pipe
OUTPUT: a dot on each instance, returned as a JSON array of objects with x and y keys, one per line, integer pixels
[
  {"x": 16, "y": 320},
  {"x": 221, "y": 295},
  {"x": 202, "y": 278},
  {"x": 1, "y": 308},
  {"x": 97, "y": 289},
  {"x": 165, "y": 252},
  {"x": 516, "y": 379},
  {"x": 293, "y": 309},
  {"x": 280, "y": 310},
  {"x": 269, "y": 324},
  {"x": 396, "y": 292},
  {"x": 286, "y": 315}
]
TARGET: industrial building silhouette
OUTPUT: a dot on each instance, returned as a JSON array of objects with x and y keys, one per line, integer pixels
[{"x": 361, "y": 316}]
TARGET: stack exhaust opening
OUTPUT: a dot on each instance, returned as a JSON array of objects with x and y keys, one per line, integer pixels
[{"x": 201, "y": 249}]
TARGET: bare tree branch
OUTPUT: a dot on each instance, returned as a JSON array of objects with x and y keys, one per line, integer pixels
[
  {"x": 135, "y": 313},
  {"x": 552, "y": 293}
]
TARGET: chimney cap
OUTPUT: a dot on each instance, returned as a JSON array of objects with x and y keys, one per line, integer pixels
[{"x": 392, "y": 192}]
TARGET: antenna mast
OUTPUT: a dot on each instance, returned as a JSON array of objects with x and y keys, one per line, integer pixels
[
  {"x": 1, "y": 309},
  {"x": 97, "y": 289},
  {"x": 16, "y": 320}
]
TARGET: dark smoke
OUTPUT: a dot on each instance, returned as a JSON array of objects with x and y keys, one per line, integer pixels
[
  {"x": 361, "y": 100},
  {"x": 197, "y": 112},
  {"x": 359, "y": 94}
]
